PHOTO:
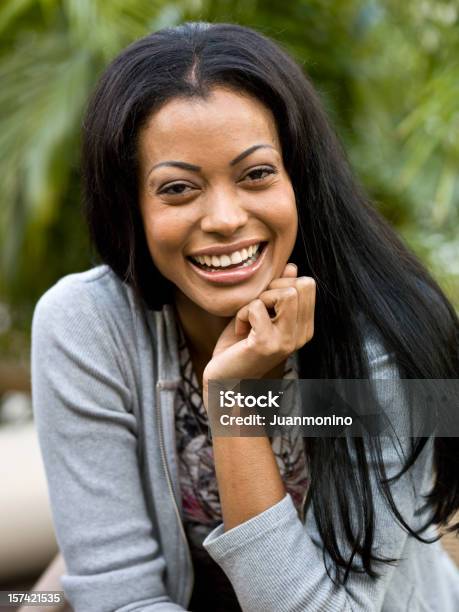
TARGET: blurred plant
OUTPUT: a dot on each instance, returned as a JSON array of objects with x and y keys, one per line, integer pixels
[
  {"x": 387, "y": 72},
  {"x": 50, "y": 56}
]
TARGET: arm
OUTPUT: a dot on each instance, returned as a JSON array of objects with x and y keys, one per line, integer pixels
[
  {"x": 88, "y": 439},
  {"x": 248, "y": 477},
  {"x": 274, "y": 561},
  {"x": 252, "y": 346}
]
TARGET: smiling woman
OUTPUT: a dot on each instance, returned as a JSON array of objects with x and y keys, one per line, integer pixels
[{"x": 234, "y": 243}]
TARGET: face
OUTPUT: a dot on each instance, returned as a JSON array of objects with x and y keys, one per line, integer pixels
[{"x": 217, "y": 204}]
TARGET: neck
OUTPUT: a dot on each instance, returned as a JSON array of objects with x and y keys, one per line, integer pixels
[{"x": 201, "y": 328}]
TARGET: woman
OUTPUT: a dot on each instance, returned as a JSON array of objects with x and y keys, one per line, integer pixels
[{"x": 218, "y": 199}]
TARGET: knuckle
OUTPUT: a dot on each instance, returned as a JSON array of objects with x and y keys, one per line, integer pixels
[
  {"x": 255, "y": 305},
  {"x": 290, "y": 293},
  {"x": 307, "y": 282}
]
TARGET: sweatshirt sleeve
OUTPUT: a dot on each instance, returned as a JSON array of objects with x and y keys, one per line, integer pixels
[
  {"x": 88, "y": 439},
  {"x": 276, "y": 562}
]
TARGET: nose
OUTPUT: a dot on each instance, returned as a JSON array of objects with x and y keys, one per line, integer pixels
[{"x": 224, "y": 213}]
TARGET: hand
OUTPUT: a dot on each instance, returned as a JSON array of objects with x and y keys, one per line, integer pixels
[{"x": 252, "y": 343}]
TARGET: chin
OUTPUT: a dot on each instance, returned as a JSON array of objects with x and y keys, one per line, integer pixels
[
  {"x": 225, "y": 307},
  {"x": 223, "y": 311}
]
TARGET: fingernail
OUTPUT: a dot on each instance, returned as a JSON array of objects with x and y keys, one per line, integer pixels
[{"x": 292, "y": 264}]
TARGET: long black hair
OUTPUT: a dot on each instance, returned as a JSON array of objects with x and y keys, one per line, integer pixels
[{"x": 360, "y": 265}]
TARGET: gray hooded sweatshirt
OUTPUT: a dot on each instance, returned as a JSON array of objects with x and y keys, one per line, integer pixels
[{"x": 105, "y": 372}]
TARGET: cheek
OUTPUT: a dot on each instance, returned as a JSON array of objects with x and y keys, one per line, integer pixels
[
  {"x": 165, "y": 237},
  {"x": 284, "y": 217}
]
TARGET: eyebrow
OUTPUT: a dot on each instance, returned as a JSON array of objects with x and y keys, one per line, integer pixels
[{"x": 194, "y": 168}]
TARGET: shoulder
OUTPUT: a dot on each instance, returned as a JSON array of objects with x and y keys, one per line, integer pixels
[
  {"x": 80, "y": 292},
  {"x": 92, "y": 313}
]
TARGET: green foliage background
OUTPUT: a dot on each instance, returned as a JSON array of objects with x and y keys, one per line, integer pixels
[{"x": 388, "y": 72}]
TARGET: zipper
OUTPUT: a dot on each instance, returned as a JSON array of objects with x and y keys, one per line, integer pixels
[
  {"x": 302, "y": 512},
  {"x": 171, "y": 488}
]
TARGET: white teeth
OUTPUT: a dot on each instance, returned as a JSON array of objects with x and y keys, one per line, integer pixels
[
  {"x": 236, "y": 257},
  {"x": 223, "y": 261}
]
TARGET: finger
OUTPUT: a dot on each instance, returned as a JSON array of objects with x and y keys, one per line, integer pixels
[
  {"x": 261, "y": 326},
  {"x": 284, "y": 302},
  {"x": 287, "y": 278},
  {"x": 290, "y": 270},
  {"x": 241, "y": 324},
  {"x": 280, "y": 283},
  {"x": 306, "y": 288}
]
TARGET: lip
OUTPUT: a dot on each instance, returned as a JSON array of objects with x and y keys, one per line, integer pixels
[
  {"x": 224, "y": 249},
  {"x": 231, "y": 276}
]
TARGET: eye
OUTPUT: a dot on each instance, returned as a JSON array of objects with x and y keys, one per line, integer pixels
[
  {"x": 259, "y": 174},
  {"x": 176, "y": 189}
]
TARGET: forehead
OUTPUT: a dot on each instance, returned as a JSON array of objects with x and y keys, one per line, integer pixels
[{"x": 225, "y": 123}]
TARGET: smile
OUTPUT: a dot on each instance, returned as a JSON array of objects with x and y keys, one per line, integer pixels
[
  {"x": 236, "y": 259},
  {"x": 230, "y": 268}
]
